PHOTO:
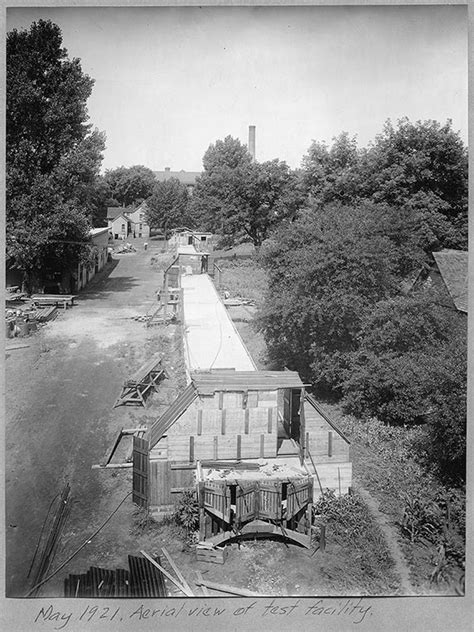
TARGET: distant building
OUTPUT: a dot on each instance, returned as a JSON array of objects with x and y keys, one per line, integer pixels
[
  {"x": 99, "y": 238},
  {"x": 201, "y": 241},
  {"x": 128, "y": 221},
  {"x": 188, "y": 178},
  {"x": 450, "y": 275}
]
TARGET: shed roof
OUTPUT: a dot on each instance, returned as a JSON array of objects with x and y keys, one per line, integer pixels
[
  {"x": 177, "y": 408},
  {"x": 453, "y": 267},
  {"x": 208, "y": 382}
]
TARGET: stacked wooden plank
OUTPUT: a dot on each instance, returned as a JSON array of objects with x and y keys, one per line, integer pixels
[{"x": 139, "y": 385}]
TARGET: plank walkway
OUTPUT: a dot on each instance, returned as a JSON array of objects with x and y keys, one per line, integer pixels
[{"x": 210, "y": 337}]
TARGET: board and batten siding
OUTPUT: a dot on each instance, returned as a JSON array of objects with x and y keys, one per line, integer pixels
[{"x": 211, "y": 426}]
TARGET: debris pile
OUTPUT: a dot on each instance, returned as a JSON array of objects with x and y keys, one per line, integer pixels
[
  {"x": 23, "y": 316},
  {"x": 124, "y": 249}
]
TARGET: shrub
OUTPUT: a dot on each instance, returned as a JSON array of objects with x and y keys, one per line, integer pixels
[{"x": 187, "y": 514}]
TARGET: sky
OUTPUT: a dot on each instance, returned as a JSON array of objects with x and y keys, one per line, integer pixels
[{"x": 171, "y": 81}]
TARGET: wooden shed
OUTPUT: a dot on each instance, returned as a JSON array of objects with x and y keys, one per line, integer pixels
[{"x": 255, "y": 446}]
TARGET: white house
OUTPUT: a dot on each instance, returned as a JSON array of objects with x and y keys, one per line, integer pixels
[{"x": 128, "y": 221}]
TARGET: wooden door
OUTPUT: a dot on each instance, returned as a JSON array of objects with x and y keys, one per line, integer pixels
[
  {"x": 140, "y": 472},
  {"x": 299, "y": 494}
]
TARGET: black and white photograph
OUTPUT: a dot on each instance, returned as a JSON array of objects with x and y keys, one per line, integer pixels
[{"x": 236, "y": 316}]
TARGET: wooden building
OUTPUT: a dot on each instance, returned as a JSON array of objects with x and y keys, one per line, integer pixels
[
  {"x": 256, "y": 447},
  {"x": 201, "y": 241}
]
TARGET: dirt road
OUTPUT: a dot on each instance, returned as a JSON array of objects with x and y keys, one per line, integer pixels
[{"x": 59, "y": 397}]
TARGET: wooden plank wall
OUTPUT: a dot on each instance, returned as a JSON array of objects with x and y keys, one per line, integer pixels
[
  {"x": 163, "y": 480},
  {"x": 331, "y": 476},
  {"x": 325, "y": 444}
]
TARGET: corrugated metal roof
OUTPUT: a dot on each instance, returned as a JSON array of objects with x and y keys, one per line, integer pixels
[
  {"x": 310, "y": 399},
  {"x": 207, "y": 382},
  {"x": 168, "y": 418},
  {"x": 453, "y": 267}
]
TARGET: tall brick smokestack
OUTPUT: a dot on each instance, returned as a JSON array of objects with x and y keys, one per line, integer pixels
[{"x": 252, "y": 141}]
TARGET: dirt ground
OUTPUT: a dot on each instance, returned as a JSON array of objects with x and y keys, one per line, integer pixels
[{"x": 60, "y": 393}]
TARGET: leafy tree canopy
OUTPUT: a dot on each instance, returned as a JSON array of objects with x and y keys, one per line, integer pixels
[
  {"x": 130, "y": 185},
  {"x": 418, "y": 170},
  {"x": 52, "y": 156},
  {"x": 325, "y": 269},
  {"x": 237, "y": 197},
  {"x": 168, "y": 205}
]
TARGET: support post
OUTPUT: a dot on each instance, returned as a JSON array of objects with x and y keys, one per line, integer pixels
[{"x": 202, "y": 512}]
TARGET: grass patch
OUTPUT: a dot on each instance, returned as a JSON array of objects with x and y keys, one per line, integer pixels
[
  {"x": 244, "y": 279},
  {"x": 430, "y": 517},
  {"x": 357, "y": 559}
]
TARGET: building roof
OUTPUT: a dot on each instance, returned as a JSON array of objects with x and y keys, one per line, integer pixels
[
  {"x": 177, "y": 408},
  {"x": 453, "y": 267},
  {"x": 208, "y": 382},
  {"x": 97, "y": 231},
  {"x": 115, "y": 211},
  {"x": 185, "y": 177}
]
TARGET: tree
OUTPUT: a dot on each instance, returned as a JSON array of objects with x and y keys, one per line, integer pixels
[
  {"x": 130, "y": 185},
  {"x": 218, "y": 189},
  {"x": 331, "y": 174},
  {"x": 240, "y": 198},
  {"x": 325, "y": 270},
  {"x": 52, "y": 156},
  {"x": 421, "y": 165},
  {"x": 168, "y": 205},
  {"x": 390, "y": 374}
]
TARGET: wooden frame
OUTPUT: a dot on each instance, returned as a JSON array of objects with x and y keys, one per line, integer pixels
[{"x": 138, "y": 386}]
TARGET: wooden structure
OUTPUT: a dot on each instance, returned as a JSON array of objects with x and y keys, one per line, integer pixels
[
  {"x": 63, "y": 300},
  {"x": 139, "y": 385},
  {"x": 257, "y": 449}
]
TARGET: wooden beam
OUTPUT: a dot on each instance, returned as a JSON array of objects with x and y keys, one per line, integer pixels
[
  {"x": 179, "y": 575},
  {"x": 111, "y": 466},
  {"x": 166, "y": 574},
  {"x": 232, "y": 590},
  {"x": 180, "y": 490},
  {"x": 110, "y": 453},
  {"x": 205, "y": 591}
]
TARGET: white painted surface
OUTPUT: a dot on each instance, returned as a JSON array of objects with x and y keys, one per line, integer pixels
[{"x": 210, "y": 337}]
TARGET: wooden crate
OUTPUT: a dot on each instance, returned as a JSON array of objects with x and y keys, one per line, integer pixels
[{"x": 212, "y": 556}]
